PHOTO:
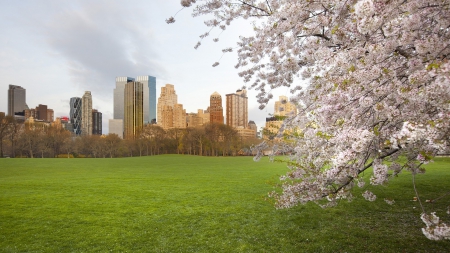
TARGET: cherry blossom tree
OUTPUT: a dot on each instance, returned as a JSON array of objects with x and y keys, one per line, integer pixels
[{"x": 376, "y": 87}]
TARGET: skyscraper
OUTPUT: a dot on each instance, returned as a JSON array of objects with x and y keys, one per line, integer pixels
[
  {"x": 75, "y": 114},
  {"x": 16, "y": 100},
  {"x": 96, "y": 122},
  {"x": 86, "y": 113},
  {"x": 170, "y": 113},
  {"x": 134, "y": 111},
  {"x": 149, "y": 103},
  {"x": 237, "y": 109},
  {"x": 119, "y": 96},
  {"x": 167, "y": 97},
  {"x": 215, "y": 108}
]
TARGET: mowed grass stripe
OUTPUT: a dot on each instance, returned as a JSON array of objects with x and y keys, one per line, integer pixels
[{"x": 176, "y": 203}]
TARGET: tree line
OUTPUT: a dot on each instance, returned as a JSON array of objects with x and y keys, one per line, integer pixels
[{"x": 43, "y": 140}]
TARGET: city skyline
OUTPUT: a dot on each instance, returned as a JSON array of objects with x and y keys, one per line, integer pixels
[
  {"x": 168, "y": 101},
  {"x": 84, "y": 45}
]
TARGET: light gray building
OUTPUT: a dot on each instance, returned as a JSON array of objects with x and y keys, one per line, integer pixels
[
  {"x": 119, "y": 93},
  {"x": 116, "y": 127},
  {"x": 16, "y": 101},
  {"x": 86, "y": 113}
]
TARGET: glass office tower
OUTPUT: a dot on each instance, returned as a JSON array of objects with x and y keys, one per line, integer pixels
[{"x": 149, "y": 83}]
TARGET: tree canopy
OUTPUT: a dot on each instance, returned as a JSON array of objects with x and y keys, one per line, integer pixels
[{"x": 371, "y": 79}]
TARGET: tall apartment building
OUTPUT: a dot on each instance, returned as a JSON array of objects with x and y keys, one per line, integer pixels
[
  {"x": 149, "y": 102},
  {"x": 134, "y": 111},
  {"x": 215, "y": 108},
  {"x": 86, "y": 113},
  {"x": 237, "y": 109},
  {"x": 170, "y": 113},
  {"x": 16, "y": 100},
  {"x": 96, "y": 122},
  {"x": 75, "y": 114}
]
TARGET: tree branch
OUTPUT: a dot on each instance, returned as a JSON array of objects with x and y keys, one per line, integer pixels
[
  {"x": 363, "y": 169},
  {"x": 315, "y": 35},
  {"x": 252, "y": 6}
]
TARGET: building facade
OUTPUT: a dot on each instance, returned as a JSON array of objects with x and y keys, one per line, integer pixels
[
  {"x": 16, "y": 101},
  {"x": 86, "y": 114},
  {"x": 75, "y": 114},
  {"x": 116, "y": 127},
  {"x": 134, "y": 111},
  {"x": 96, "y": 122},
  {"x": 237, "y": 109},
  {"x": 215, "y": 108}
]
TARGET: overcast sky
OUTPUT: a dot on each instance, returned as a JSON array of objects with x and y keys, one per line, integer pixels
[{"x": 59, "y": 49}]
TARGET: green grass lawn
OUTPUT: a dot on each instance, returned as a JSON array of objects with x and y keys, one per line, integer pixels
[{"x": 175, "y": 203}]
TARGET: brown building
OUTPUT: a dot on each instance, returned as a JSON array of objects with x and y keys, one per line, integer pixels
[
  {"x": 134, "y": 109},
  {"x": 215, "y": 108},
  {"x": 237, "y": 109},
  {"x": 40, "y": 113}
]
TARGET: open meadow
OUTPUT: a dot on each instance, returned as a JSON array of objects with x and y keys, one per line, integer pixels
[{"x": 176, "y": 203}]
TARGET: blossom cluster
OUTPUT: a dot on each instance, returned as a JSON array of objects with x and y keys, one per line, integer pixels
[
  {"x": 435, "y": 229},
  {"x": 371, "y": 80}
]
